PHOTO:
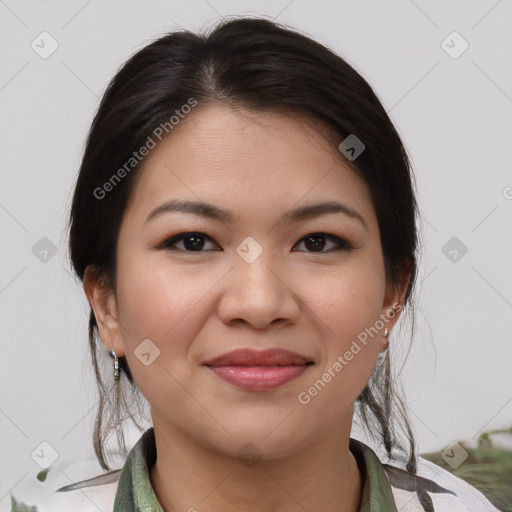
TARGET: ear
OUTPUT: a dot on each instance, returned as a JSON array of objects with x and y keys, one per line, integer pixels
[
  {"x": 394, "y": 295},
  {"x": 102, "y": 300}
]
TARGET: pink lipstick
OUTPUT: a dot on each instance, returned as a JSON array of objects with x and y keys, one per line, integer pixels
[{"x": 259, "y": 370}]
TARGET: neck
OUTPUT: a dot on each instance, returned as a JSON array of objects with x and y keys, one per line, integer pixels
[{"x": 189, "y": 476}]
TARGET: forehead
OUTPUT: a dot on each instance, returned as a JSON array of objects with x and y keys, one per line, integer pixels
[
  {"x": 218, "y": 134},
  {"x": 248, "y": 160}
]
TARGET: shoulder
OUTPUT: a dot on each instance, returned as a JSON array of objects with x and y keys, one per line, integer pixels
[
  {"x": 434, "y": 487},
  {"x": 86, "y": 487}
]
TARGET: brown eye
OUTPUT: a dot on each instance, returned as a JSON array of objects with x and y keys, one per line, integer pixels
[
  {"x": 191, "y": 242},
  {"x": 316, "y": 242}
]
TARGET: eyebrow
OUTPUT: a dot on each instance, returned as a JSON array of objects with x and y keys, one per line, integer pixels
[{"x": 210, "y": 211}]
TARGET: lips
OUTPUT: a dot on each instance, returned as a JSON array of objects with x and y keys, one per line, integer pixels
[
  {"x": 270, "y": 357},
  {"x": 253, "y": 370}
]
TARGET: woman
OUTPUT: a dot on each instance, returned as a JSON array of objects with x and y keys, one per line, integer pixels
[{"x": 244, "y": 227}]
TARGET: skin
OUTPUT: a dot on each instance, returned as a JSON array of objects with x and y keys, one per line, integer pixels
[{"x": 197, "y": 305}]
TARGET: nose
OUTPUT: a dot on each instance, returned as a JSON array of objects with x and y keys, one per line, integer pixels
[{"x": 258, "y": 294}]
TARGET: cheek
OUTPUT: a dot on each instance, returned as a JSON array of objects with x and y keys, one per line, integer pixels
[
  {"x": 349, "y": 307},
  {"x": 160, "y": 303},
  {"x": 347, "y": 300},
  {"x": 351, "y": 348},
  {"x": 156, "y": 292}
]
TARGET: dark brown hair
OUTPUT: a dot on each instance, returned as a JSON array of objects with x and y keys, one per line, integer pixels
[{"x": 257, "y": 65}]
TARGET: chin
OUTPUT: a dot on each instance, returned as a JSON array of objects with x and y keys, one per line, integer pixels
[{"x": 264, "y": 438}]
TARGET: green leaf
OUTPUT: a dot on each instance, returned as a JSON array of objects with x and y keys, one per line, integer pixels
[
  {"x": 41, "y": 476},
  {"x": 17, "y": 506}
]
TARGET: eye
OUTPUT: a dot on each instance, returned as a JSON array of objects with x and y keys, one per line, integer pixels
[
  {"x": 195, "y": 242},
  {"x": 316, "y": 242},
  {"x": 191, "y": 242}
]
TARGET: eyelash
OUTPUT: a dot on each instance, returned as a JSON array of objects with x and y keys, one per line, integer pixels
[{"x": 343, "y": 245}]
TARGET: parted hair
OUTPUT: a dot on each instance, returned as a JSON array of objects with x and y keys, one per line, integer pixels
[{"x": 257, "y": 65}]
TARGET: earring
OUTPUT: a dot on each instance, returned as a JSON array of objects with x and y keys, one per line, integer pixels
[
  {"x": 386, "y": 334},
  {"x": 116, "y": 366}
]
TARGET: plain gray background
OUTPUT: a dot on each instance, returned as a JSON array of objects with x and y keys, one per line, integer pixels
[{"x": 455, "y": 118}]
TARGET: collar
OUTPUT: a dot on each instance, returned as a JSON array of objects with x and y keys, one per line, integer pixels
[
  {"x": 135, "y": 493},
  {"x": 377, "y": 494}
]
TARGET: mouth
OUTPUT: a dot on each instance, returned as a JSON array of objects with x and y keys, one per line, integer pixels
[{"x": 259, "y": 370}]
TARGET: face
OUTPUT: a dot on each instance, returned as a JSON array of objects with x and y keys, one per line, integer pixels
[{"x": 252, "y": 278}]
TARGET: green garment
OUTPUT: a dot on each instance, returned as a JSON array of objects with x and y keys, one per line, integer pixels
[{"x": 135, "y": 494}]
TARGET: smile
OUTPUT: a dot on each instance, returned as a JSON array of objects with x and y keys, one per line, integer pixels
[{"x": 259, "y": 370}]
